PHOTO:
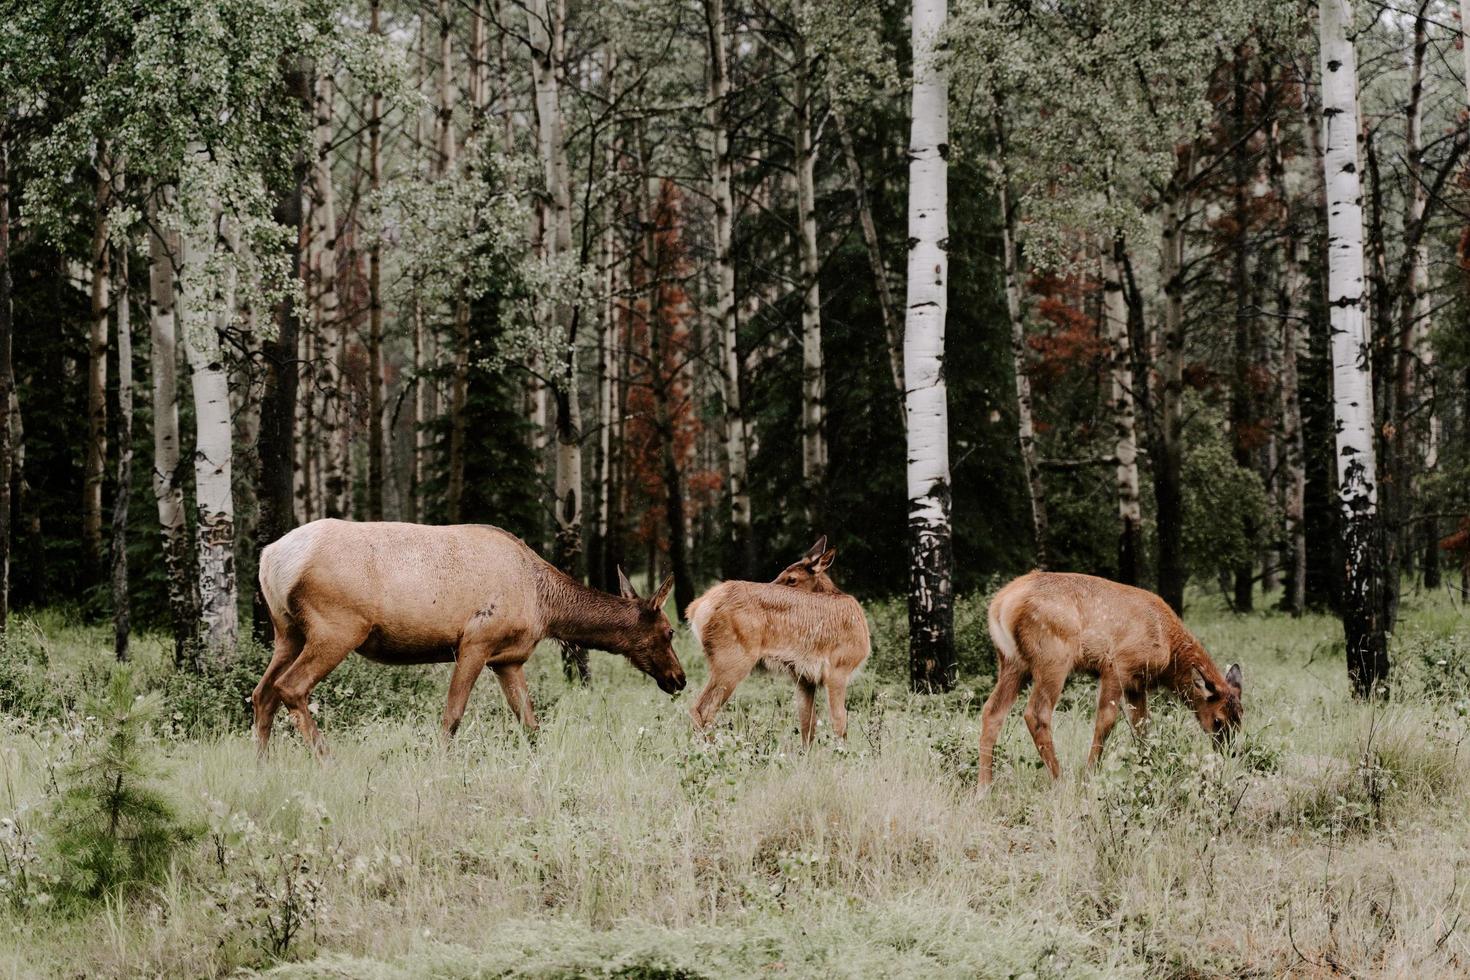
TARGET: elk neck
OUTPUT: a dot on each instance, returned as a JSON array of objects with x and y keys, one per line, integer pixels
[
  {"x": 1187, "y": 654},
  {"x": 578, "y": 614}
]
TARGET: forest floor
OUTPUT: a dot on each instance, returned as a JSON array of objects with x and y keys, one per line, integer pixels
[{"x": 615, "y": 843}]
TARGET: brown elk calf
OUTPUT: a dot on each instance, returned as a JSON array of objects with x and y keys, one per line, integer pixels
[
  {"x": 809, "y": 572},
  {"x": 800, "y": 625},
  {"x": 1048, "y": 624},
  {"x": 413, "y": 594}
]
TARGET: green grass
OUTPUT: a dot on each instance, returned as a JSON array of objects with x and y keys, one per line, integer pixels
[{"x": 614, "y": 843}]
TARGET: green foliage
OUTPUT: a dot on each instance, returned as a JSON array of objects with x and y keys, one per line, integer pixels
[
  {"x": 1225, "y": 504},
  {"x": 889, "y": 630},
  {"x": 110, "y": 829}
]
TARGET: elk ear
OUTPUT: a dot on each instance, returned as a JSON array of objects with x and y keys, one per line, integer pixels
[
  {"x": 1202, "y": 684},
  {"x": 815, "y": 551},
  {"x": 657, "y": 602},
  {"x": 625, "y": 588},
  {"x": 825, "y": 562},
  {"x": 1232, "y": 677}
]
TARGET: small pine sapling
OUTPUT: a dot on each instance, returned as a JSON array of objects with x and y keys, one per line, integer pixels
[{"x": 110, "y": 828}]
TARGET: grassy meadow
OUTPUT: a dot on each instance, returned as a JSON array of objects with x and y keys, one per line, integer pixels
[{"x": 614, "y": 843}]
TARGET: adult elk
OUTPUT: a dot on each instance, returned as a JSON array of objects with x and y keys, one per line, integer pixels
[
  {"x": 1048, "y": 624},
  {"x": 414, "y": 594},
  {"x": 813, "y": 632}
]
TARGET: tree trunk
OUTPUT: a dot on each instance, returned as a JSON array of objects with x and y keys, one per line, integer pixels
[
  {"x": 278, "y": 398},
  {"x": 546, "y": 42},
  {"x": 1125, "y": 427},
  {"x": 1352, "y": 382},
  {"x": 96, "y": 451},
  {"x": 1169, "y": 466},
  {"x": 1242, "y": 402},
  {"x": 1415, "y": 355},
  {"x": 120, "y": 602},
  {"x": 1015, "y": 310},
  {"x": 1293, "y": 445},
  {"x": 813, "y": 394},
  {"x": 168, "y": 488},
  {"x": 213, "y": 455},
  {"x": 331, "y": 331},
  {"x": 931, "y": 599},
  {"x": 721, "y": 168},
  {"x": 887, "y": 309},
  {"x": 375, "y": 305},
  {"x": 7, "y": 383}
]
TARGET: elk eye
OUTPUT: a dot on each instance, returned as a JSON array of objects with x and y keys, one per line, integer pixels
[
  {"x": 791, "y": 580},
  {"x": 669, "y": 633}
]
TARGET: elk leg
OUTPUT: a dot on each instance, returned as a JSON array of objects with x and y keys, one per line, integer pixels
[
  {"x": 992, "y": 717},
  {"x": 1045, "y": 690},
  {"x": 512, "y": 679},
  {"x": 725, "y": 674},
  {"x": 264, "y": 698},
  {"x": 1109, "y": 693},
  {"x": 837, "y": 702},
  {"x": 806, "y": 714},
  {"x": 1138, "y": 710},
  {"x": 468, "y": 663},
  {"x": 295, "y": 684}
]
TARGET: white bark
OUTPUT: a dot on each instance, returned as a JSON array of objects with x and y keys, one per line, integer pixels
[
  {"x": 1351, "y": 378},
  {"x": 207, "y": 307},
  {"x": 96, "y": 450},
  {"x": 168, "y": 490},
  {"x": 546, "y": 41},
  {"x": 329, "y": 327},
  {"x": 930, "y": 600},
  {"x": 813, "y": 394},
  {"x": 1352, "y": 383},
  {"x": 1125, "y": 427},
  {"x": 721, "y": 171},
  {"x": 120, "y": 600}
]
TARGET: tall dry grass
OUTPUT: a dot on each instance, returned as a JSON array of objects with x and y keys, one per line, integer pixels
[{"x": 614, "y": 843}]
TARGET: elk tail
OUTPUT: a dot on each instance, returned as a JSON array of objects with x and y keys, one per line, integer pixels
[
  {"x": 1000, "y": 630},
  {"x": 692, "y": 616}
]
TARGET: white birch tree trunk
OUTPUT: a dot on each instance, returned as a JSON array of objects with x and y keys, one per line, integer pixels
[
  {"x": 931, "y": 599},
  {"x": 813, "y": 395},
  {"x": 1125, "y": 422},
  {"x": 95, "y": 461},
  {"x": 168, "y": 490},
  {"x": 329, "y": 325},
  {"x": 546, "y": 40},
  {"x": 120, "y": 599},
  {"x": 727, "y": 324},
  {"x": 1352, "y": 383},
  {"x": 206, "y": 308}
]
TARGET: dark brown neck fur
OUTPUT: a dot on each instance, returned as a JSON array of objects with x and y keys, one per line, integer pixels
[
  {"x": 1186, "y": 654},
  {"x": 578, "y": 614}
]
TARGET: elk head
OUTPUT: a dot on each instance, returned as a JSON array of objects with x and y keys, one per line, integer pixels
[
  {"x": 809, "y": 573},
  {"x": 1217, "y": 705},
  {"x": 650, "y": 644}
]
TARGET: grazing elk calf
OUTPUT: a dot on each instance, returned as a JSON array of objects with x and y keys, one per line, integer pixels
[
  {"x": 1048, "y": 624},
  {"x": 813, "y": 632},
  {"x": 414, "y": 594}
]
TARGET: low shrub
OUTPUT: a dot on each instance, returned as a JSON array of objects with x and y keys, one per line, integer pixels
[{"x": 110, "y": 828}]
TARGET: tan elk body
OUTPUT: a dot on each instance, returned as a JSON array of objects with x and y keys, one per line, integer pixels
[
  {"x": 411, "y": 594},
  {"x": 1046, "y": 625},
  {"x": 800, "y": 625}
]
